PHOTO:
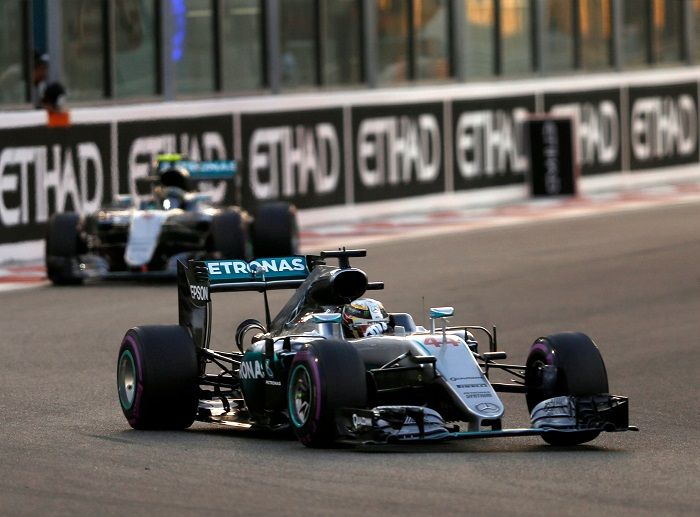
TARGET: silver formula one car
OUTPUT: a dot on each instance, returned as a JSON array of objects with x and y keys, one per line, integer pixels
[
  {"x": 299, "y": 370},
  {"x": 147, "y": 235}
]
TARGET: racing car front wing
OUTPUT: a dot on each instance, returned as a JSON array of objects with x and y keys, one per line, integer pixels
[{"x": 401, "y": 424}]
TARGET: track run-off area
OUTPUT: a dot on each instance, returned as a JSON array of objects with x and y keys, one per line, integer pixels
[{"x": 628, "y": 276}]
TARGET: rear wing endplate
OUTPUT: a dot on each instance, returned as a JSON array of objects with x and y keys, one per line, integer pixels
[{"x": 198, "y": 279}]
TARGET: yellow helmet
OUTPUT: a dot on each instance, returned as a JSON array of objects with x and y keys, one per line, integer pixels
[{"x": 363, "y": 317}]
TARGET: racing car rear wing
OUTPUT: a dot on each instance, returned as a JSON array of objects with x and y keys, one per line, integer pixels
[
  {"x": 257, "y": 275},
  {"x": 206, "y": 170},
  {"x": 166, "y": 173},
  {"x": 198, "y": 279}
]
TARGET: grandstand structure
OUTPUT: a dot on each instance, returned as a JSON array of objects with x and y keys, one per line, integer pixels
[{"x": 148, "y": 50}]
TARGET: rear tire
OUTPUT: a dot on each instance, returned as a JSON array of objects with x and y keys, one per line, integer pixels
[
  {"x": 326, "y": 375},
  {"x": 158, "y": 377},
  {"x": 275, "y": 230},
  {"x": 62, "y": 248},
  {"x": 565, "y": 364},
  {"x": 229, "y": 234}
]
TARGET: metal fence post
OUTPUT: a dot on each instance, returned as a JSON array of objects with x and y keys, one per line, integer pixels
[
  {"x": 616, "y": 47},
  {"x": 54, "y": 39},
  {"x": 168, "y": 72},
  {"x": 272, "y": 40},
  {"x": 689, "y": 33},
  {"x": 371, "y": 47},
  {"x": 458, "y": 45}
]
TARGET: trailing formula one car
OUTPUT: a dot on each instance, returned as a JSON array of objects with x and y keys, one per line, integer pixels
[
  {"x": 147, "y": 235},
  {"x": 301, "y": 370}
]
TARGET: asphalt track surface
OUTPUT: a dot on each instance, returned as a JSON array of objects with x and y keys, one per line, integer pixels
[{"x": 629, "y": 279}]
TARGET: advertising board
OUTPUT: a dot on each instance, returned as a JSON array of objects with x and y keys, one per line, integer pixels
[
  {"x": 597, "y": 116},
  {"x": 489, "y": 141},
  {"x": 46, "y": 170},
  {"x": 295, "y": 156},
  {"x": 397, "y": 151}
]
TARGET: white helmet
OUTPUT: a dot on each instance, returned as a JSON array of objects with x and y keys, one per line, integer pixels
[{"x": 364, "y": 317}]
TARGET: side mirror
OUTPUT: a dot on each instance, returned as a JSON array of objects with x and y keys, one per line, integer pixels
[
  {"x": 440, "y": 313},
  {"x": 122, "y": 201},
  {"x": 327, "y": 317},
  {"x": 328, "y": 324}
]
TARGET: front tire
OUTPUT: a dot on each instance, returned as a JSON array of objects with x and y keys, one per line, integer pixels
[
  {"x": 326, "y": 375},
  {"x": 157, "y": 377},
  {"x": 564, "y": 364}
]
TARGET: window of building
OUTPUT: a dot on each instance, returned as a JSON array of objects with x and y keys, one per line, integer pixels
[
  {"x": 635, "y": 33},
  {"x": 12, "y": 75},
  {"x": 595, "y": 25},
  {"x": 298, "y": 43},
  {"x": 83, "y": 49},
  {"x": 478, "y": 38},
  {"x": 414, "y": 40},
  {"x": 393, "y": 41},
  {"x": 558, "y": 35},
  {"x": 192, "y": 46},
  {"x": 341, "y": 47},
  {"x": 668, "y": 30},
  {"x": 432, "y": 39},
  {"x": 516, "y": 43},
  {"x": 242, "y": 37},
  {"x": 135, "y": 48}
]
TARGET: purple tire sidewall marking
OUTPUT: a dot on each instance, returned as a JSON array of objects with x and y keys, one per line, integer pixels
[
  {"x": 319, "y": 387},
  {"x": 540, "y": 346},
  {"x": 136, "y": 406},
  {"x": 313, "y": 366}
]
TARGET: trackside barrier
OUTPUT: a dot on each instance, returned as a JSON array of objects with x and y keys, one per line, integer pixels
[{"x": 344, "y": 148}]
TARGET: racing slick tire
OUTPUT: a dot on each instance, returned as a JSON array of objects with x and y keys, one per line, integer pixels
[
  {"x": 229, "y": 234},
  {"x": 158, "y": 377},
  {"x": 275, "y": 230},
  {"x": 62, "y": 248},
  {"x": 326, "y": 375},
  {"x": 564, "y": 364}
]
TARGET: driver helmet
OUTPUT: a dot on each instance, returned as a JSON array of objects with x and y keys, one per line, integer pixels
[{"x": 364, "y": 317}]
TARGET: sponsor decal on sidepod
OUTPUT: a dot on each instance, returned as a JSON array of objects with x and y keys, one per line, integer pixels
[{"x": 251, "y": 370}]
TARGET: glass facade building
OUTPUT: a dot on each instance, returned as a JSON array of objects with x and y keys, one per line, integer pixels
[{"x": 107, "y": 51}]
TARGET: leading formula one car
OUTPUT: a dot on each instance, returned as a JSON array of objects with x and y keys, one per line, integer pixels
[
  {"x": 298, "y": 370},
  {"x": 147, "y": 235}
]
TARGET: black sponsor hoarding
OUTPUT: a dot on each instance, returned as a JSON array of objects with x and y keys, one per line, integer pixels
[
  {"x": 200, "y": 138},
  {"x": 295, "y": 156},
  {"x": 488, "y": 141},
  {"x": 597, "y": 126},
  {"x": 397, "y": 151},
  {"x": 47, "y": 170},
  {"x": 551, "y": 152},
  {"x": 663, "y": 125}
]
